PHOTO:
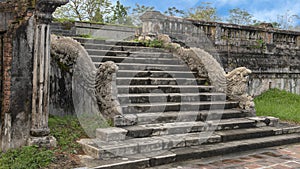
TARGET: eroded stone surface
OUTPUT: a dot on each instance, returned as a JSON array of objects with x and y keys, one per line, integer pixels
[{"x": 111, "y": 134}]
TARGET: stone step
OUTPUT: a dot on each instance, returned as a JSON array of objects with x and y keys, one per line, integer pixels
[
  {"x": 145, "y": 160},
  {"x": 121, "y": 48},
  {"x": 130, "y": 89},
  {"x": 159, "y": 81},
  {"x": 107, "y": 42},
  {"x": 202, "y": 151},
  {"x": 177, "y": 106},
  {"x": 129, "y": 54},
  {"x": 104, "y": 150},
  {"x": 143, "y": 67},
  {"x": 182, "y": 142},
  {"x": 182, "y": 116},
  {"x": 160, "y": 129},
  {"x": 170, "y": 97},
  {"x": 117, "y": 59},
  {"x": 152, "y": 73}
]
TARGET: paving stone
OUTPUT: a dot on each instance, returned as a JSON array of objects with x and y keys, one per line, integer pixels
[
  {"x": 111, "y": 134},
  {"x": 129, "y": 164}
]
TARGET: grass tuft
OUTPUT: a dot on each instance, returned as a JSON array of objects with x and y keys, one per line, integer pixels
[
  {"x": 27, "y": 157},
  {"x": 67, "y": 130},
  {"x": 279, "y": 103}
]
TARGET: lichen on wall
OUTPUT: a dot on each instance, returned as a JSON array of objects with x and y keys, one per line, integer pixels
[
  {"x": 234, "y": 83},
  {"x": 106, "y": 95}
]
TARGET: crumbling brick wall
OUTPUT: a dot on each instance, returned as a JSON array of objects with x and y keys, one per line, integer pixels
[{"x": 21, "y": 46}]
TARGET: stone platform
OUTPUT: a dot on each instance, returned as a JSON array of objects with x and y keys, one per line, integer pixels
[{"x": 169, "y": 114}]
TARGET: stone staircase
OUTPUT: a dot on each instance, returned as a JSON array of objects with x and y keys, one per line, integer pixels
[{"x": 170, "y": 114}]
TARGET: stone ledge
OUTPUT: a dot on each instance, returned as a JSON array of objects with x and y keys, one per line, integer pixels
[
  {"x": 188, "y": 153},
  {"x": 111, "y": 134}
]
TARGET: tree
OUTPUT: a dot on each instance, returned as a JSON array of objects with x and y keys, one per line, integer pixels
[
  {"x": 120, "y": 14},
  {"x": 173, "y": 11},
  {"x": 287, "y": 20},
  {"x": 204, "y": 12},
  {"x": 141, "y": 9},
  {"x": 240, "y": 17},
  {"x": 138, "y": 11},
  {"x": 85, "y": 10}
]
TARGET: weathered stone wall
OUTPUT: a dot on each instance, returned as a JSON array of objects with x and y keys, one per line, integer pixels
[
  {"x": 273, "y": 55},
  {"x": 101, "y": 31},
  {"x": 16, "y": 73},
  {"x": 61, "y": 101},
  {"x": 24, "y": 47}
]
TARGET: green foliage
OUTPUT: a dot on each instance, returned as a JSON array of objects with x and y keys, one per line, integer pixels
[
  {"x": 287, "y": 20},
  {"x": 64, "y": 20},
  {"x": 173, "y": 11},
  {"x": 260, "y": 44},
  {"x": 120, "y": 14},
  {"x": 138, "y": 11},
  {"x": 67, "y": 130},
  {"x": 279, "y": 103},
  {"x": 153, "y": 44},
  {"x": 90, "y": 122},
  {"x": 26, "y": 158},
  {"x": 85, "y": 10},
  {"x": 240, "y": 16},
  {"x": 204, "y": 12},
  {"x": 86, "y": 36}
]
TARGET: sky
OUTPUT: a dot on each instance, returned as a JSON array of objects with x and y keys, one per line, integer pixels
[{"x": 263, "y": 10}]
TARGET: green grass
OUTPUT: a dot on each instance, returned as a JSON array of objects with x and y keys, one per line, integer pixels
[
  {"x": 278, "y": 103},
  {"x": 26, "y": 158},
  {"x": 66, "y": 130},
  {"x": 153, "y": 44}
]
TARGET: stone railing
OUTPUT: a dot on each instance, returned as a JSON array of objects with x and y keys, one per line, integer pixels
[
  {"x": 96, "y": 30},
  {"x": 271, "y": 54},
  {"x": 219, "y": 33}
]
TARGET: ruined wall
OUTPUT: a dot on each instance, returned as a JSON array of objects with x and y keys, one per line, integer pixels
[
  {"x": 101, "y": 31},
  {"x": 61, "y": 101},
  {"x": 16, "y": 72},
  {"x": 24, "y": 48},
  {"x": 273, "y": 55}
]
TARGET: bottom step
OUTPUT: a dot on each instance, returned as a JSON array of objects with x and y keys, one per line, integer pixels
[{"x": 194, "y": 152}]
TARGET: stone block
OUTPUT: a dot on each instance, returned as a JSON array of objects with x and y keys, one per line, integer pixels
[
  {"x": 290, "y": 130},
  {"x": 111, "y": 134},
  {"x": 139, "y": 131},
  {"x": 149, "y": 145},
  {"x": 278, "y": 131},
  {"x": 119, "y": 149},
  {"x": 126, "y": 120},
  {"x": 165, "y": 158},
  {"x": 173, "y": 141},
  {"x": 265, "y": 121}
]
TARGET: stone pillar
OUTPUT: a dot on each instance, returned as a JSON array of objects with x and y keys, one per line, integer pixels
[
  {"x": 153, "y": 22},
  {"x": 41, "y": 63},
  {"x": 298, "y": 41}
]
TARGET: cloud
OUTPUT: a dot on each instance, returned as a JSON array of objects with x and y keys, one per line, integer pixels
[
  {"x": 229, "y": 3},
  {"x": 268, "y": 12}
]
